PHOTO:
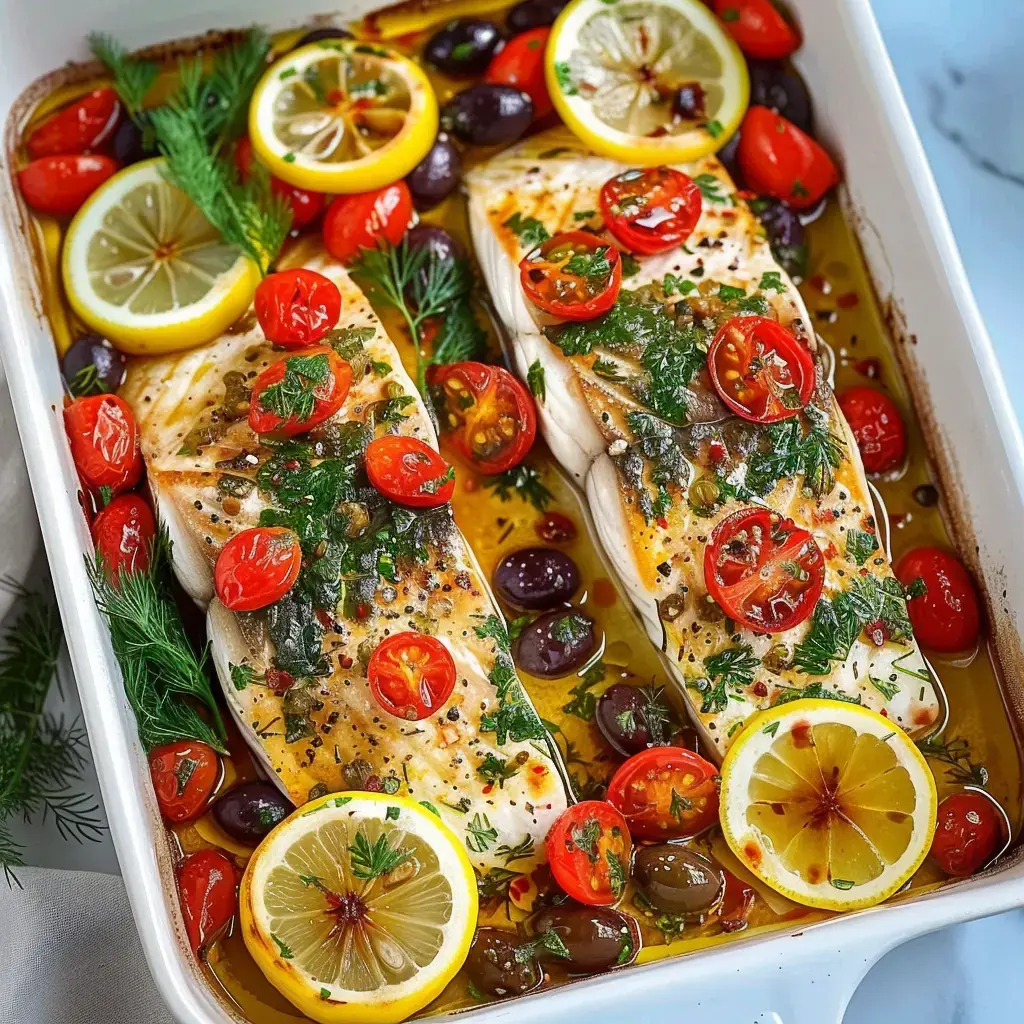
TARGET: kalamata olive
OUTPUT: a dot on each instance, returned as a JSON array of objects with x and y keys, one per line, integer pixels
[
  {"x": 488, "y": 115},
  {"x": 492, "y": 965},
  {"x": 533, "y": 14},
  {"x": 248, "y": 812},
  {"x": 536, "y": 579},
  {"x": 785, "y": 233},
  {"x": 598, "y": 938},
  {"x": 92, "y": 366},
  {"x": 677, "y": 880},
  {"x": 556, "y": 644},
  {"x": 437, "y": 175},
  {"x": 780, "y": 87},
  {"x": 440, "y": 244},
  {"x": 129, "y": 144},
  {"x": 314, "y": 35},
  {"x": 464, "y": 46},
  {"x": 620, "y": 718},
  {"x": 727, "y": 154}
]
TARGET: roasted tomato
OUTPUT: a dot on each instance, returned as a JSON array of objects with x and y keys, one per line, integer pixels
[
  {"x": 947, "y": 616},
  {"x": 123, "y": 533},
  {"x": 366, "y": 220},
  {"x": 666, "y": 792},
  {"x": 520, "y": 62},
  {"x": 58, "y": 185},
  {"x": 763, "y": 570},
  {"x": 87, "y": 124},
  {"x": 297, "y": 307},
  {"x": 737, "y": 902},
  {"x": 411, "y": 675},
  {"x": 878, "y": 427},
  {"x": 589, "y": 851},
  {"x": 409, "y": 471},
  {"x": 574, "y": 275},
  {"x": 778, "y": 159},
  {"x": 491, "y": 415},
  {"x": 651, "y": 210},
  {"x": 760, "y": 370},
  {"x": 968, "y": 832},
  {"x": 257, "y": 567},
  {"x": 306, "y": 206},
  {"x": 207, "y": 881},
  {"x": 104, "y": 442},
  {"x": 184, "y": 775},
  {"x": 758, "y": 27},
  {"x": 299, "y": 391}
]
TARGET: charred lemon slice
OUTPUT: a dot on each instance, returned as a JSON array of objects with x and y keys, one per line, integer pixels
[
  {"x": 646, "y": 81},
  {"x": 342, "y": 116},
  {"x": 828, "y": 803},
  {"x": 359, "y": 908}
]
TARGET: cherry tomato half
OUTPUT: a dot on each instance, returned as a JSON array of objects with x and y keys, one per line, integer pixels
[
  {"x": 737, "y": 902},
  {"x": 760, "y": 370},
  {"x": 589, "y": 850},
  {"x": 297, "y": 307},
  {"x": 257, "y": 567},
  {"x": 765, "y": 571},
  {"x": 759, "y": 29},
  {"x": 123, "y": 533},
  {"x": 666, "y": 793},
  {"x": 306, "y": 206},
  {"x": 947, "y": 617},
  {"x": 184, "y": 774},
  {"x": 651, "y": 210},
  {"x": 86, "y": 124},
  {"x": 778, "y": 159},
  {"x": 490, "y": 414},
  {"x": 299, "y": 391},
  {"x": 411, "y": 675},
  {"x": 58, "y": 185},
  {"x": 877, "y": 426},
  {"x": 520, "y": 63},
  {"x": 104, "y": 442},
  {"x": 409, "y": 471},
  {"x": 968, "y": 831},
  {"x": 573, "y": 275},
  {"x": 365, "y": 220},
  {"x": 207, "y": 881}
]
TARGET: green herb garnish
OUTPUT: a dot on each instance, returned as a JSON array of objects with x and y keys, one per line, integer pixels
[
  {"x": 376, "y": 860},
  {"x": 535, "y": 378},
  {"x": 735, "y": 666},
  {"x": 523, "y": 480},
  {"x": 528, "y": 230}
]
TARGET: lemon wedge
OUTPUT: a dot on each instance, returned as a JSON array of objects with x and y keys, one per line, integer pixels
[
  {"x": 614, "y": 71},
  {"x": 342, "y": 116},
  {"x": 359, "y": 908},
  {"x": 144, "y": 267},
  {"x": 828, "y": 803}
]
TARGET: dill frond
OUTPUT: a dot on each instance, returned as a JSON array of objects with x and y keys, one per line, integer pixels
[{"x": 133, "y": 78}]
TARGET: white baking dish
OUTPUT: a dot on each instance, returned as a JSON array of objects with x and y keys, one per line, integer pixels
[{"x": 802, "y": 978}]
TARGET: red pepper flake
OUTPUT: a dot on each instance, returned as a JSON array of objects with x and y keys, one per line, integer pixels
[
  {"x": 662, "y": 522},
  {"x": 870, "y": 368},
  {"x": 539, "y": 769},
  {"x": 847, "y": 300},
  {"x": 716, "y": 451},
  {"x": 487, "y": 789},
  {"x": 345, "y": 661},
  {"x": 831, "y": 551},
  {"x": 760, "y": 690},
  {"x": 877, "y": 633},
  {"x": 324, "y": 618},
  {"x": 279, "y": 681},
  {"x": 822, "y": 284}
]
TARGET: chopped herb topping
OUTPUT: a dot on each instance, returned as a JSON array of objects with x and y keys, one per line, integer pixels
[
  {"x": 294, "y": 395},
  {"x": 545, "y": 942},
  {"x": 535, "y": 378},
  {"x": 735, "y": 667},
  {"x": 528, "y": 230},
  {"x": 481, "y": 834},
  {"x": 594, "y": 266},
  {"x": 860, "y": 546},
  {"x": 523, "y": 480},
  {"x": 376, "y": 860},
  {"x": 497, "y": 769}
]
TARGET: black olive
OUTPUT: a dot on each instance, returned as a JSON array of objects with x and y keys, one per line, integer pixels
[
  {"x": 785, "y": 233},
  {"x": 464, "y": 46},
  {"x": 248, "y": 812},
  {"x": 597, "y": 938},
  {"x": 92, "y": 366},
  {"x": 556, "y": 644},
  {"x": 488, "y": 115},
  {"x": 536, "y": 579},
  {"x": 437, "y": 175},
  {"x": 780, "y": 87},
  {"x": 621, "y": 720},
  {"x": 314, "y": 35},
  {"x": 441, "y": 244},
  {"x": 493, "y": 968},
  {"x": 727, "y": 154},
  {"x": 533, "y": 14},
  {"x": 677, "y": 880},
  {"x": 926, "y": 495},
  {"x": 129, "y": 143}
]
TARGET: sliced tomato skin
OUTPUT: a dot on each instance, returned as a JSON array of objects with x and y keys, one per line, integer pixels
[
  {"x": 257, "y": 567},
  {"x": 877, "y": 426},
  {"x": 367, "y": 220},
  {"x": 416, "y": 655},
  {"x": 123, "y": 534},
  {"x": 104, "y": 442},
  {"x": 306, "y": 205},
  {"x": 407, "y": 470},
  {"x": 296, "y": 308},
  {"x": 672, "y": 203},
  {"x": 947, "y": 617},
  {"x": 585, "y": 880},
  {"x": 577, "y": 308},
  {"x": 85, "y": 124},
  {"x": 184, "y": 775},
  {"x": 758, "y": 28},
  {"x": 207, "y": 884},
  {"x": 328, "y": 396},
  {"x": 520, "y": 62},
  {"x": 968, "y": 831}
]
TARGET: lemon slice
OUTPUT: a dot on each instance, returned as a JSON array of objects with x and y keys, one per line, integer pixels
[
  {"x": 828, "y": 803},
  {"x": 360, "y": 907},
  {"x": 143, "y": 267},
  {"x": 342, "y": 116},
  {"x": 614, "y": 69}
]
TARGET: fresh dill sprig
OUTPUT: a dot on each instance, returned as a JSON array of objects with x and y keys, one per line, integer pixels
[{"x": 133, "y": 78}]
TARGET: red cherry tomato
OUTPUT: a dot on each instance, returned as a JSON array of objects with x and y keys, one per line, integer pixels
[
  {"x": 651, "y": 210},
  {"x": 84, "y": 125},
  {"x": 299, "y": 391},
  {"x": 58, "y": 185},
  {"x": 104, "y": 442},
  {"x": 297, "y": 307},
  {"x": 306, "y": 206},
  {"x": 778, "y": 159},
  {"x": 760, "y": 370},
  {"x": 490, "y": 414},
  {"x": 207, "y": 881},
  {"x": 573, "y": 275},
  {"x": 409, "y": 471},
  {"x": 589, "y": 850},
  {"x": 123, "y": 533},
  {"x": 411, "y": 675},
  {"x": 555, "y": 528},
  {"x": 759, "y": 29},
  {"x": 184, "y": 774},
  {"x": 666, "y": 793},
  {"x": 765, "y": 571},
  {"x": 366, "y": 220},
  {"x": 878, "y": 427},
  {"x": 520, "y": 63},
  {"x": 737, "y": 902},
  {"x": 947, "y": 617},
  {"x": 257, "y": 567},
  {"x": 968, "y": 831}
]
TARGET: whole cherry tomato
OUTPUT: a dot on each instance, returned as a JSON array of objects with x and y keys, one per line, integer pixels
[
  {"x": 411, "y": 675},
  {"x": 58, "y": 185},
  {"x": 104, "y": 442},
  {"x": 778, "y": 159},
  {"x": 298, "y": 392},
  {"x": 877, "y": 426},
  {"x": 123, "y": 533},
  {"x": 968, "y": 831},
  {"x": 306, "y": 206},
  {"x": 490, "y": 414},
  {"x": 589, "y": 850},
  {"x": 257, "y": 567},
  {"x": 574, "y": 275},
  {"x": 367, "y": 220},
  {"x": 86, "y": 124},
  {"x": 763, "y": 570},
  {"x": 207, "y": 882},
  {"x": 759, "y": 29},
  {"x": 556, "y": 528},
  {"x": 408, "y": 471},
  {"x": 651, "y": 210},
  {"x": 184, "y": 775},
  {"x": 947, "y": 616},
  {"x": 520, "y": 63},
  {"x": 297, "y": 307}
]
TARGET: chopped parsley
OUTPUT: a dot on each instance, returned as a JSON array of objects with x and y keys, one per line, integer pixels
[
  {"x": 734, "y": 666},
  {"x": 608, "y": 369},
  {"x": 585, "y": 838},
  {"x": 528, "y": 230},
  {"x": 594, "y": 266},
  {"x": 630, "y": 265},
  {"x": 293, "y": 396},
  {"x": 535, "y": 378},
  {"x": 376, "y": 860},
  {"x": 582, "y": 702},
  {"x": 572, "y": 631},
  {"x": 886, "y": 688},
  {"x": 515, "y": 716},
  {"x": 771, "y": 281},
  {"x": 860, "y": 546},
  {"x": 523, "y": 480},
  {"x": 545, "y": 942},
  {"x": 564, "y": 78},
  {"x": 788, "y": 450},
  {"x": 497, "y": 769},
  {"x": 710, "y": 188},
  {"x": 481, "y": 834},
  {"x": 673, "y": 285}
]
